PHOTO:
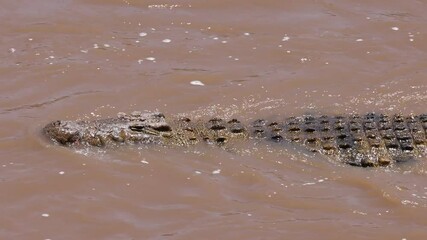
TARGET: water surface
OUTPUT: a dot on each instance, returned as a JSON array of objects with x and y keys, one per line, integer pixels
[{"x": 88, "y": 59}]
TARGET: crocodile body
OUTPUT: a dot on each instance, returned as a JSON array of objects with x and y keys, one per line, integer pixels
[{"x": 360, "y": 140}]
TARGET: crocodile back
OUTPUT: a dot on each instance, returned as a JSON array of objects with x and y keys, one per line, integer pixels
[{"x": 368, "y": 140}]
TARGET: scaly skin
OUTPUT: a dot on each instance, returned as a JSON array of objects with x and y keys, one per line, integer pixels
[{"x": 368, "y": 140}]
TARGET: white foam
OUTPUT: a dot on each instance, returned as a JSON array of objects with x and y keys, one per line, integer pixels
[
  {"x": 286, "y": 38},
  {"x": 197, "y": 83}
]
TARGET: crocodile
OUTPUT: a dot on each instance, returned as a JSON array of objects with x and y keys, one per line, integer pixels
[{"x": 360, "y": 140}]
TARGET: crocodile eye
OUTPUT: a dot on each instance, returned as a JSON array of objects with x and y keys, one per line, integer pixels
[{"x": 137, "y": 128}]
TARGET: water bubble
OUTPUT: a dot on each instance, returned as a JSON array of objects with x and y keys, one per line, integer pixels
[{"x": 142, "y": 34}]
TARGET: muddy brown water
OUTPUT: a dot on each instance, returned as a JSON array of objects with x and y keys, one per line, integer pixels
[{"x": 77, "y": 59}]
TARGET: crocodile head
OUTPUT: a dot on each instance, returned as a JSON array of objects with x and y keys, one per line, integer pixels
[{"x": 134, "y": 128}]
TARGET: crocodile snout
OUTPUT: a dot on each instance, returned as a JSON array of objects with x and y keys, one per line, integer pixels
[{"x": 58, "y": 131}]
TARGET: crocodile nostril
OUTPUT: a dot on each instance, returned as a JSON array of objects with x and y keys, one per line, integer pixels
[{"x": 56, "y": 123}]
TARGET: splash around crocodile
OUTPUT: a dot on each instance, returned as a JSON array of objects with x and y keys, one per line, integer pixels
[{"x": 359, "y": 140}]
